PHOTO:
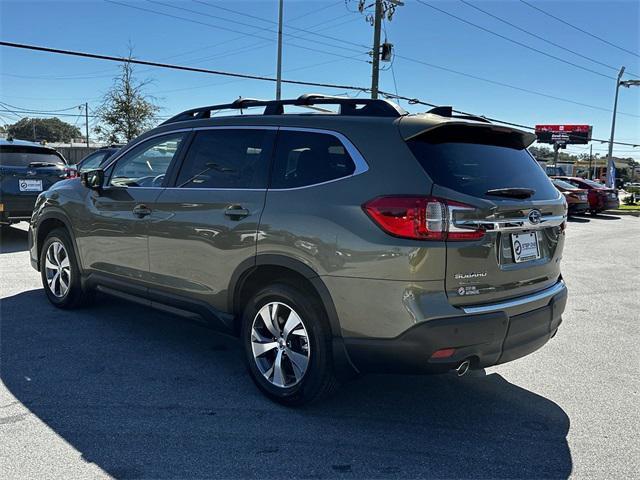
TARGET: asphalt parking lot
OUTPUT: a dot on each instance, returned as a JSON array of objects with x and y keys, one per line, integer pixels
[{"x": 124, "y": 391}]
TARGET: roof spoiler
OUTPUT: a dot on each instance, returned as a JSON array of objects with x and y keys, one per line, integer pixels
[{"x": 465, "y": 131}]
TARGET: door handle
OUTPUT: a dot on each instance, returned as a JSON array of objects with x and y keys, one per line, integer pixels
[
  {"x": 236, "y": 212},
  {"x": 141, "y": 210}
]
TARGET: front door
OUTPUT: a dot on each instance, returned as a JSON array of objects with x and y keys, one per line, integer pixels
[
  {"x": 114, "y": 239},
  {"x": 207, "y": 222}
]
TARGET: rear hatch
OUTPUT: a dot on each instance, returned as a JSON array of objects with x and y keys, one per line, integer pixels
[
  {"x": 25, "y": 171},
  {"x": 505, "y": 217}
]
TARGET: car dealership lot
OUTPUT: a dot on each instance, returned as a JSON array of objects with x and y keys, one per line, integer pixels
[{"x": 121, "y": 390}]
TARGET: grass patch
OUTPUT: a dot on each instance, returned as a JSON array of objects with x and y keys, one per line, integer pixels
[{"x": 634, "y": 208}]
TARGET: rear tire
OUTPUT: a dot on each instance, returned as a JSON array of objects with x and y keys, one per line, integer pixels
[
  {"x": 290, "y": 360},
  {"x": 60, "y": 272}
]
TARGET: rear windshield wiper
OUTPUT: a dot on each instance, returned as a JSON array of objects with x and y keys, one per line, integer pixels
[{"x": 511, "y": 192}]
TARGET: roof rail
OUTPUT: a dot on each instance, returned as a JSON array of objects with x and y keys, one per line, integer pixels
[
  {"x": 447, "y": 111},
  {"x": 348, "y": 106}
]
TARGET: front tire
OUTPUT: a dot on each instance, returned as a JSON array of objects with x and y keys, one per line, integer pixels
[
  {"x": 60, "y": 272},
  {"x": 287, "y": 343}
]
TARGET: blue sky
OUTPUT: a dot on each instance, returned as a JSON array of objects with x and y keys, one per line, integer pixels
[{"x": 219, "y": 39}]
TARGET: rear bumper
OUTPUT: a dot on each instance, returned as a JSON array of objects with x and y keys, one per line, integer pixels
[
  {"x": 17, "y": 207},
  {"x": 578, "y": 208},
  {"x": 486, "y": 335}
]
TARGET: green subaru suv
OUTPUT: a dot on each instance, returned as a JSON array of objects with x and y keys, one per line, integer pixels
[{"x": 358, "y": 239}]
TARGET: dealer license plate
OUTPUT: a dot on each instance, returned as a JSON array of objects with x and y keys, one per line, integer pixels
[
  {"x": 525, "y": 246},
  {"x": 27, "y": 185}
]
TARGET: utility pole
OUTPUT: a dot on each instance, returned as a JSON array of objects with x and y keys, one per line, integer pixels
[
  {"x": 33, "y": 127},
  {"x": 86, "y": 121},
  {"x": 590, "y": 159},
  {"x": 279, "y": 69},
  {"x": 375, "y": 64}
]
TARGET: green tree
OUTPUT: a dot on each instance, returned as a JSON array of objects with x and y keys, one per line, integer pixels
[
  {"x": 126, "y": 110},
  {"x": 47, "y": 129}
]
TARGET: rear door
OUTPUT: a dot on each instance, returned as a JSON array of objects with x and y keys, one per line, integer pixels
[
  {"x": 492, "y": 184},
  {"x": 206, "y": 224}
]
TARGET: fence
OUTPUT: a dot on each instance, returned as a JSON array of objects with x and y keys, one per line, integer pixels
[{"x": 74, "y": 154}]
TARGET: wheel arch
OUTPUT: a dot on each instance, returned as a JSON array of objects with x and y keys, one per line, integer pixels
[
  {"x": 274, "y": 263},
  {"x": 48, "y": 222},
  {"x": 296, "y": 269}
]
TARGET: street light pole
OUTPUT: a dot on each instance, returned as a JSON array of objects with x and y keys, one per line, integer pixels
[
  {"x": 610, "y": 165},
  {"x": 279, "y": 67},
  {"x": 86, "y": 122}
]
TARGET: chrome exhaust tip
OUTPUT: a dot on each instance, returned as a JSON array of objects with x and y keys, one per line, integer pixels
[{"x": 463, "y": 368}]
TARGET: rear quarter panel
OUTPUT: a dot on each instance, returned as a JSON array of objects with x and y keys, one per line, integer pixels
[{"x": 325, "y": 226}]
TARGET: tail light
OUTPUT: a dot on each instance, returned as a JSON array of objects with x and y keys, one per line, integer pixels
[
  {"x": 419, "y": 218},
  {"x": 70, "y": 172}
]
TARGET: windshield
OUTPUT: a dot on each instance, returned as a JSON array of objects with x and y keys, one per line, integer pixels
[
  {"x": 474, "y": 168},
  {"x": 21, "y": 156}
]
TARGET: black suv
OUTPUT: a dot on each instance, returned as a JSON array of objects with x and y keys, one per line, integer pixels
[
  {"x": 26, "y": 170},
  {"x": 362, "y": 240}
]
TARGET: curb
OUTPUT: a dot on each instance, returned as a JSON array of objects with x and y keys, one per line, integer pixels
[{"x": 633, "y": 213}]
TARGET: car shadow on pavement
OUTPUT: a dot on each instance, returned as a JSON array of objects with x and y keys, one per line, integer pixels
[
  {"x": 143, "y": 394},
  {"x": 577, "y": 219},
  {"x": 12, "y": 240}
]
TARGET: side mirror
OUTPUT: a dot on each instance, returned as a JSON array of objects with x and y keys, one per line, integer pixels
[{"x": 93, "y": 179}]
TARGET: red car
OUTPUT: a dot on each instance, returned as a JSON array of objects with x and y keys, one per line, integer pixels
[
  {"x": 600, "y": 196},
  {"x": 577, "y": 198}
]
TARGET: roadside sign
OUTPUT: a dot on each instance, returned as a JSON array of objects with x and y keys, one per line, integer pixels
[{"x": 564, "y": 134}]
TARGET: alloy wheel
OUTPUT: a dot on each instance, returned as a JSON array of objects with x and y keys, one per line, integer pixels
[
  {"x": 58, "y": 269},
  {"x": 280, "y": 344}
]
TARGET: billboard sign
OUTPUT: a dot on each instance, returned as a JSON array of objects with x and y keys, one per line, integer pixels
[{"x": 564, "y": 134}]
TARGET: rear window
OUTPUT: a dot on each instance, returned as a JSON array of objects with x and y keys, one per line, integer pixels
[
  {"x": 563, "y": 184},
  {"x": 593, "y": 184},
  {"x": 17, "y": 156},
  {"x": 474, "y": 168}
]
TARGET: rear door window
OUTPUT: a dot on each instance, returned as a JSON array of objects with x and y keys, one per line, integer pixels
[
  {"x": 227, "y": 158},
  {"x": 475, "y": 168},
  {"x": 308, "y": 158},
  {"x": 18, "y": 156}
]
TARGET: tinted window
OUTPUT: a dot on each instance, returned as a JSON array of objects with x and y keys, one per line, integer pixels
[
  {"x": 563, "y": 184},
  {"x": 147, "y": 164},
  {"x": 18, "y": 156},
  {"x": 306, "y": 158},
  {"x": 227, "y": 158},
  {"x": 94, "y": 160},
  {"x": 473, "y": 168}
]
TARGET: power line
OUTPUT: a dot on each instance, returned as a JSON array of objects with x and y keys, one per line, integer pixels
[
  {"x": 562, "y": 47},
  {"x": 244, "y": 75},
  {"x": 507, "y": 85},
  {"x": 579, "y": 29},
  {"x": 314, "y": 11},
  {"x": 7, "y": 105},
  {"x": 211, "y": 5},
  {"x": 172, "y": 66},
  {"x": 218, "y": 27},
  {"x": 35, "y": 112},
  {"x": 516, "y": 42}
]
